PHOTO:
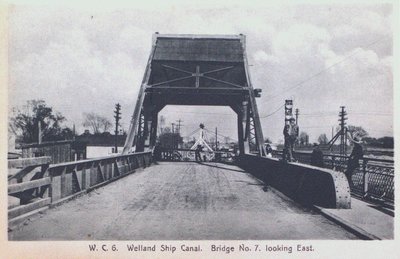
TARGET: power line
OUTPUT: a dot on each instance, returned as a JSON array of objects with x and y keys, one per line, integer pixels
[
  {"x": 326, "y": 69},
  {"x": 331, "y": 113},
  {"x": 268, "y": 115},
  {"x": 220, "y": 134},
  {"x": 190, "y": 134},
  {"x": 316, "y": 127},
  {"x": 375, "y": 114}
]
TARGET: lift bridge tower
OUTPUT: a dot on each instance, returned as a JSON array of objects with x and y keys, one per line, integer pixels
[{"x": 196, "y": 70}]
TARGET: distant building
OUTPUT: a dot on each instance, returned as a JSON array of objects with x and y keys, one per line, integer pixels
[
  {"x": 100, "y": 145},
  {"x": 59, "y": 151}
]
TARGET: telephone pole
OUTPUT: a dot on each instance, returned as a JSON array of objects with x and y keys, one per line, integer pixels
[
  {"x": 39, "y": 132},
  {"x": 173, "y": 134},
  {"x": 216, "y": 138},
  {"x": 343, "y": 137},
  {"x": 117, "y": 117},
  {"x": 162, "y": 123},
  {"x": 179, "y": 126}
]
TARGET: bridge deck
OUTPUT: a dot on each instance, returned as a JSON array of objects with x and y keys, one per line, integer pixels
[{"x": 181, "y": 201}]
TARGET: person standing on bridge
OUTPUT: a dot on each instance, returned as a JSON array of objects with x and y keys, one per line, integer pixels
[
  {"x": 198, "y": 152},
  {"x": 317, "y": 157},
  {"x": 268, "y": 149},
  {"x": 291, "y": 133},
  {"x": 356, "y": 154}
]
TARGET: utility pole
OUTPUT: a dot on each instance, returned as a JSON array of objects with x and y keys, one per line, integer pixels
[
  {"x": 178, "y": 130},
  {"x": 73, "y": 132},
  {"x": 162, "y": 123},
  {"x": 117, "y": 117},
  {"x": 39, "y": 132},
  {"x": 343, "y": 138},
  {"x": 179, "y": 126},
  {"x": 216, "y": 138},
  {"x": 173, "y": 134},
  {"x": 297, "y": 116}
]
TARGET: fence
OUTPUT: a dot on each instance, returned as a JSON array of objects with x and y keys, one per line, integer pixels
[
  {"x": 53, "y": 184},
  {"x": 374, "y": 177}
]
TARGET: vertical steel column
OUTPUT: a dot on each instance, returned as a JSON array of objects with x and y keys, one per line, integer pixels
[
  {"x": 139, "y": 141},
  {"x": 240, "y": 132},
  {"x": 252, "y": 102},
  {"x": 246, "y": 125},
  {"x": 153, "y": 129}
]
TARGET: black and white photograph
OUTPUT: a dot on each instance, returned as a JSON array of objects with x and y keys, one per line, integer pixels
[{"x": 199, "y": 129}]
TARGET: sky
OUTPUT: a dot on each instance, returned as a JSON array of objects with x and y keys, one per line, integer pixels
[{"x": 321, "y": 56}]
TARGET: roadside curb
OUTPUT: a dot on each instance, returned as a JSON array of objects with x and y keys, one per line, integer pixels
[{"x": 347, "y": 225}]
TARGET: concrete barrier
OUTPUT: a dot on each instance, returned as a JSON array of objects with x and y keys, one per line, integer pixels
[{"x": 308, "y": 185}]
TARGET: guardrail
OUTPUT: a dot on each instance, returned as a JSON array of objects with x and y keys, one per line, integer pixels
[
  {"x": 374, "y": 178},
  {"x": 55, "y": 183},
  {"x": 308, "y": 185}
]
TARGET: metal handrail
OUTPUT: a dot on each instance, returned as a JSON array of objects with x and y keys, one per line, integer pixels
[{"x": 341, "y": 156}]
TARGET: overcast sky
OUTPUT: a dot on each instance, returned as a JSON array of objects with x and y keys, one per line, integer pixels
[{"x": 321, "y": 56}]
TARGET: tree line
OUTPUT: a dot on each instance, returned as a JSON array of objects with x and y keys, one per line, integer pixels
[{"x": 37, "y": 116}]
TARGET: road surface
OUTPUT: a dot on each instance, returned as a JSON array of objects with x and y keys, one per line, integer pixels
[{"x": 175, "y": 201}]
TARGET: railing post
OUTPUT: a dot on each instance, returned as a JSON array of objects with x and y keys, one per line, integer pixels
[
  {"x": 116, "y": 170},
  {"x": 63, "y": 180},
  {"x": 51, "y": 185},
  {"x": 365, "y": 176},
  {"x": 42, "y": 190},
  {"x": 83, "y": 175},
  {"x": 92, "y": 174}
]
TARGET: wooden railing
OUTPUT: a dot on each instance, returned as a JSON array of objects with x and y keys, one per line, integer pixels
[
  {"x": 27, "y": 184},
  {"x": 55, "y": 183}
]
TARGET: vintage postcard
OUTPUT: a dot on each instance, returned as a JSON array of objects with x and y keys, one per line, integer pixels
[{"x": 180, "y": 130}]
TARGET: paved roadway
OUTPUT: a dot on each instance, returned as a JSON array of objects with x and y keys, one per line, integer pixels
[{"x": 174, "y": 201}]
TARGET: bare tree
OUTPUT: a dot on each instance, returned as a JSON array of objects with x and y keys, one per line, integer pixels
[
  {"x": 96, "y": 123},
  {"x": 323, "y": 139},
  {"x": 303, "y": 138},
  {"x": 361, "y": 132},
  {"x": 106, "y": 124}
]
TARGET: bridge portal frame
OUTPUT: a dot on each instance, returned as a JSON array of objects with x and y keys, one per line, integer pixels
[{"x": 204, "y": 83}]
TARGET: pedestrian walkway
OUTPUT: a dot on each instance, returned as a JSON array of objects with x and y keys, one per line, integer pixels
[{"x": 364, "y": 219}]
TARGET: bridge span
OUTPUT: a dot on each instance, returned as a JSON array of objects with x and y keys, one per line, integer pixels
[{"x": 181, "y": 200}]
